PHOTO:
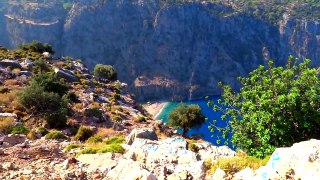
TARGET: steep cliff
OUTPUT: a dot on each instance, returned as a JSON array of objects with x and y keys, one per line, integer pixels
[{"x": 164, "y": 50}]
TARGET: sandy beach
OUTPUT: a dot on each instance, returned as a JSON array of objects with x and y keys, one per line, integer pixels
[{"x": 154, "y": 108}]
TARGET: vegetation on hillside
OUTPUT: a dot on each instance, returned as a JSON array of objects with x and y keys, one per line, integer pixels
[
  {"x": 275, "y": 107},
  {"x": 186, "y": 117}
]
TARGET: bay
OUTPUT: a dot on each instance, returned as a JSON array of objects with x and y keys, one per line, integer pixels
[{"x": 208, "y": 112}]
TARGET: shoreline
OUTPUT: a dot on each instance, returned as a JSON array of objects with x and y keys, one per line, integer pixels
[{"x": 155, "y": 108}]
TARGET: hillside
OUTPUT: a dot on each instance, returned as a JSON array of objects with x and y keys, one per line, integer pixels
[{"x": 169, "y": 49}]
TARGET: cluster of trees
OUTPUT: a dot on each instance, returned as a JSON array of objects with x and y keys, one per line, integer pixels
[{"x": 36, "y": 46}]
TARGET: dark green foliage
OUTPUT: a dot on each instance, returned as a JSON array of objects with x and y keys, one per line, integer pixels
[
  {"x": 44, "y": 98},
  {"x": 43, "y": 131},
  {"x": 55, "y": 135},
  {"x": 18, "y": 130},
  {"x": 96, "y": 112},
  {"x": 105, "y": 71},
  {"x": 50, "y": 83},
  {"x": 83, "y": 133},
  {"x": 95, "y": 139},
  {"x": 186, "y": 117},
  {"x": 275, "y": 107},
  {"x": 72, "y": 97},
  {"x": 36, "y": 46}
]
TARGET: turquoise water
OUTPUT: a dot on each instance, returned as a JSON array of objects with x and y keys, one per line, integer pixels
[{"x": 207, "y": 111}]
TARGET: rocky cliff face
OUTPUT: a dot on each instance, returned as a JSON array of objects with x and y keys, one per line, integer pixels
[{"x": 173, "y": 51}]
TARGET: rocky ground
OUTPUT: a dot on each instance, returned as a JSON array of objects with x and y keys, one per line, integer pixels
[{"x": 147, "y": 157}]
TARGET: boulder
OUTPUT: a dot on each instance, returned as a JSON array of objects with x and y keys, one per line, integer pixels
[
  {"x": 129, "y": 169},
  {"x": 243, "y": 174},
  {"x": 10, "y": 63},
  {"x": 219, "y": 174},
  {"x": 302, "y": 160},
  {"x": 13, "y": 139},
  {"x": 141, "y": 133},
  {"x": 104, "y": 162},
  {"x": 25, "y": 73},
  {"x": 66, "y": 74},
  {"x": 207, "y": 151},
  {"x": 27, "y": 64}
]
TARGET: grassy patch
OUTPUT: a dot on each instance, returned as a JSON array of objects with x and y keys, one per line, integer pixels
[
  {"x": 73, "y": 146},
  {"x": 18, "y": 130},
  {"x": 111, "y": 145},
  {"x": 235, "y": 164},
  {"x": 95, "y": 139},
  {"x": 115, "y": 140},
  {"x": 55, "y": 135}
]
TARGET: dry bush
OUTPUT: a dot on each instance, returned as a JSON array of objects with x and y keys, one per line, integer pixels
[
  {"x": 32, "y": 135},
  {"x": 16, "y": 71},
  {"x": 6, "y": 123},
  {"x": 106, "y": 132},
  {"x": 11, "y": 82},
  {"x": 59, "y": 64},
  {"x": 8, "y": 98}
]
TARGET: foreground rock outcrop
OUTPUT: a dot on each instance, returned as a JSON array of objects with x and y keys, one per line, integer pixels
[
  {"x": 300, "y": 161},
  {"x": 161, "y": 49},
  {"x": 156, "y": 159}
]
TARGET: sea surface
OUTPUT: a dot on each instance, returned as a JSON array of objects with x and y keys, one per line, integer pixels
[{"x": 208, "y": 112}]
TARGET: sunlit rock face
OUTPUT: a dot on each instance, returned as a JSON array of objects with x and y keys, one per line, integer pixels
[{"x": 163, "y": 51}]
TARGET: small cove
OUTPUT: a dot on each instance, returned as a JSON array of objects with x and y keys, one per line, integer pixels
[{"x": 208, "y": 112}]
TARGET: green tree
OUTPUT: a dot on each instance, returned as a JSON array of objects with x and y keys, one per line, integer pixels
[
  {"x": 105, "y": 71},
  {"x": 275, "y": 107},
  {"x": 186, "y": 117},
  {"x": 44, "y": 97}
]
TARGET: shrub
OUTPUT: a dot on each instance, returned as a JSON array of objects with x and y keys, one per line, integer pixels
[
  {"x": 141, "y": 119},
  {"x": 4, "y": 90},
  {"x": 43, "y": 131},
  {"x": 18, "y": 130},
  {"x": 275, "y": 107},
  {"x": 117, "y": 118},
  {"x": 55, "y": 135},
  {"x": 186, "y": 117},
  {"x": 113, "y": 148},
  {"x": 193, "y": 148},
  {"x": 6, "y": 123},
  {"x": 105, "y": 71},
  {"x": 72, "y": 146},
  {"x": 232, "y": 165},
  {"x": 40, "y": 66},
  {"x": 72, "y": 97},
  {"x": 115, "y": 140},
  {"x": 88, "y": 151},
  {"x": 32, "y": 135},
  {"x": 44, "y": 97},
  {"x": 96, "y": 112},
  {"x": 83, "y": 133},
  {"x": 95, "y": 139}
]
